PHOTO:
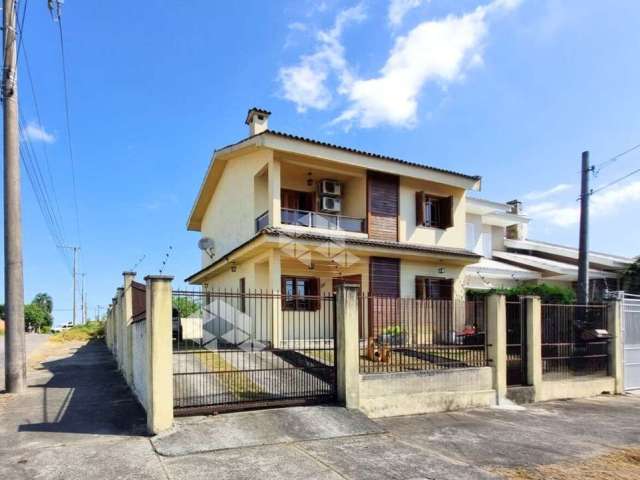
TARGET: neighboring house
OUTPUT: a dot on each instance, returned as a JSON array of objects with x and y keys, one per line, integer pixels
[
  {"x": 498, "y": 232},
  {"x": 282, "y": 212}
]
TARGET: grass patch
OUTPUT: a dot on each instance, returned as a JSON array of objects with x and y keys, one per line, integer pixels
[
  {"x": 80, "y": 333},
  {"x": 623, "y": 464},
  {"x": 237, "y": 383}
]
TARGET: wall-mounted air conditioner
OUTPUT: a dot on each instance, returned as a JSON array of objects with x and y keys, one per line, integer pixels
[
  {"x": 330, "y": 187},
  {"x": 330, "y": 205}
]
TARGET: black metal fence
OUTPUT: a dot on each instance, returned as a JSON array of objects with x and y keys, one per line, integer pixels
[
  {"x": 569, "y": 348},
  {"x": 237, "y": 350},
  {"x": 408, "y": 334},
  {"x": 516, "y": 343}
]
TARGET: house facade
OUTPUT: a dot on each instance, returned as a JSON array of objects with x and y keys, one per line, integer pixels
[
  {"x": 284, "y": 213},
  {"x": 498, "y": 232}
]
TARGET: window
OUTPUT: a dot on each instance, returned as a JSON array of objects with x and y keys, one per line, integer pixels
[
  {"x": 243, "y": 304},
  {"x": 434, "y": 288},
  {"x": 300, "y": 293},
  {"x": 432, "y": 211}
]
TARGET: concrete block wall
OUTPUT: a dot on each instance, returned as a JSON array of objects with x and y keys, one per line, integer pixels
[{"x": 143, "y": 349}]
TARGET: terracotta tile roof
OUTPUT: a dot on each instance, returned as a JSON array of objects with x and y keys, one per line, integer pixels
[
  {"x": 276, "y": 232},
  {"x": 458, "y": 252},
  {"x": 354, "y": 150}
]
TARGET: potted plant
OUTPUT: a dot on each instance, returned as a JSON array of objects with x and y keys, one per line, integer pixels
[{"x": 393, "y": 335}]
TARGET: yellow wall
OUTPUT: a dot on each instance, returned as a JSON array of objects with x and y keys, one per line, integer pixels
[
  {"x": 230, "y": 216},
  {"x": 410, "y": 232},
  {"x": 409, "y": 269}
]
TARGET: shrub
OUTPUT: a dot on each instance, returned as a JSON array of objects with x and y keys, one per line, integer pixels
[
  {"x": 547, "y": 293},
  {"x": 81, "y": 333}
]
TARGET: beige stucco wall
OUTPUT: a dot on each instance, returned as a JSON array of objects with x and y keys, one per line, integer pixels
[
  {"x": 408, "y": 231},
  {"x": 386, "y": 395},
  {"x": 409, "y": 269},
  {"x": 574, "y": 388},
  {"x": 231, "y": 214},
  {"x": 139, "y": 352}
]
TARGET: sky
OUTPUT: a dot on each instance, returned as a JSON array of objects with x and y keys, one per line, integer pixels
[{"x": 510, "y": 90}]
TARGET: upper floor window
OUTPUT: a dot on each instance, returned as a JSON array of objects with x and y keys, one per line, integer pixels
[
  {"x": 300, "y": 293},
  {"x": 433, "y": 211}
]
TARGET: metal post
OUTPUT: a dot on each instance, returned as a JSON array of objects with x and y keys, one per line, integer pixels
[
  {"x": 583, "y": 256},
  {"x": 16, "y": 369}
]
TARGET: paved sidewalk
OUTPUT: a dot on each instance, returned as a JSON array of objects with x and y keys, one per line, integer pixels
[
  {"x": 78, "y": 421},
  {"x": 32, "y": 342}
]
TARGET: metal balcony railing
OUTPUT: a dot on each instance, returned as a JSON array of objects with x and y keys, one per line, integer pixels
[{"x": 327, "y": 221}]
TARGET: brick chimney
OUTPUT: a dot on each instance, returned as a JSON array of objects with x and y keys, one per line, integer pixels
[
  {"x": 519, "y": 230},
  {"x": 258, "y": 121}
]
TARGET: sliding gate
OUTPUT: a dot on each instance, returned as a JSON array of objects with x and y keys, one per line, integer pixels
[
  {"x": 631, "y": 336},
  {"x": 247, "y": 350}
]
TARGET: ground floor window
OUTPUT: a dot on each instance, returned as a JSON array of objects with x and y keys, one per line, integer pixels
[
  {"x": 300, "y": 293},
  {"x": 434, "y": 288}
]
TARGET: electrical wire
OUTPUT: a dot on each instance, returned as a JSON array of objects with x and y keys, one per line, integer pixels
[
  {"x": 606, "y": 163},
  {"x": 618, "y": 180},
  {"x": 68, "y": 124}
]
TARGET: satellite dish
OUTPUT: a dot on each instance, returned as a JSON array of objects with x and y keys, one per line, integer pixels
[{"x": 206, "y": 244}]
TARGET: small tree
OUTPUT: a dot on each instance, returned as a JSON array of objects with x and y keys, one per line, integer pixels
[
  {"x": 185, "y": 306},
  {"x": 45, "y": 301},
  {"x": 631, "y": 278},
  {"x": 547, "y": 293},
  {"x": 36, "y": 317}
]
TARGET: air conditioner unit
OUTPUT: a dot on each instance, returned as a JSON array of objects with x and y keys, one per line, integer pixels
[
  {"x": 331, "y": 205},
  {"x": 330, "y": 187}
]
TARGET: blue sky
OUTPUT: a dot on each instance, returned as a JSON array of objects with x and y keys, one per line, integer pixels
[{"x": 510, "y": 90}]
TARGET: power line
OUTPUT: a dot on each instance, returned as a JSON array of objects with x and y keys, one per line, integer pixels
[
  {"x": 68, "y": 118},
  {"x": 618, "y": 180},
  {"x": 606, "y": 163}
]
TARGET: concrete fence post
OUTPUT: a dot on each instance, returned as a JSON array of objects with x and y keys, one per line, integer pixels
[
  {"x": 127, "y": 307},
  {"x": 497, "y": 341},
  {"x": 348, "y": 360},
  {"x": 114, "y": 328},
  {"x": 534, "y": 344},
  {"x": 119, "y": 328},
  {"x": 616, "y": 345},
  {"x": 159, "y": 361},
  {"x": 107, "y": 329}
]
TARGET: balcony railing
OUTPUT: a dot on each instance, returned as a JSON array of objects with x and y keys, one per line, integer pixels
[
  {"x": 304, "y": 218},
  {"x": 262, "y": 221}
]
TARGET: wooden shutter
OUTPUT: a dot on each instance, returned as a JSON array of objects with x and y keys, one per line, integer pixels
[
  {"x": 420, "y": 201},
  {"x": 420, "y": 288},
  {"x": 314, "y": 290},
  {"x": 446, "y": 212},
  {"x": 383, "y": 192}
]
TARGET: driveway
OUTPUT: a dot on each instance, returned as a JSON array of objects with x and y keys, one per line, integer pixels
[
  {"x": 78, "y": 420},
  {"x": 33, "y": 341}
]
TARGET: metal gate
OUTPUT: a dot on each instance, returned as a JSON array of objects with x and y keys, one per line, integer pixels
[
  {"x": 631, "y": 336},
  {"x": 246, "y": 350},
  {"x": 516, "y": 343}
]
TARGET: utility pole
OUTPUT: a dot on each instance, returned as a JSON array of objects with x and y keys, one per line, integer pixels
[
  {"x": 583, "y": 255},
  {"x": 83, "y": 312},
  {"x": 15, "y": 357},
  {"x": 75, "y": 262}
]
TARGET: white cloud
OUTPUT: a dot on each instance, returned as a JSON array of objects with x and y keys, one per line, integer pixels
[
  {"x": 607, "y": 203},
  {"x": 436, "y": 50},
  {"x": 305, "y": 83},
  {"x": 539, "y": 195},
  {"x": 398, "y": 9},
  {"x": 37, "y": 133}
]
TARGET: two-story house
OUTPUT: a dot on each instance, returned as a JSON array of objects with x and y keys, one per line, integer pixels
[{"x": 280, "y": 212}]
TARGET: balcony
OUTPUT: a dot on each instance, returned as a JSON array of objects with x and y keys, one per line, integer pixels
[
  {"x": 305, "y": 218},
  {"x": 327, "y": 221}
]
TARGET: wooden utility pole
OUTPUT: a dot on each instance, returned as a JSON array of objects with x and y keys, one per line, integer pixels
[
  {"x": 15, "y": 357},
  {"x": 583, "y": 254}
]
